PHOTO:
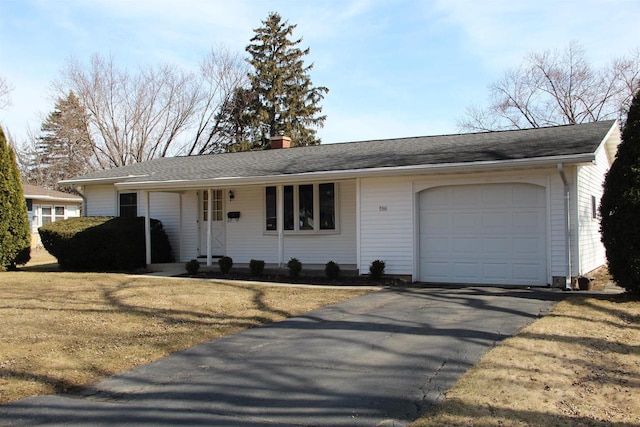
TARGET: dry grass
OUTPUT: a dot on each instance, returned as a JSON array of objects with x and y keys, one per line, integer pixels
[
  {"x": 580, "y": 365},
  {"x": 65, "y": 330}
]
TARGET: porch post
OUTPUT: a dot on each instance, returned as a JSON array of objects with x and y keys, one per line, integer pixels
[
  {"x": 147, "y": 227},
  {"x": 280, "y": 215},
  {"x": 209, "y": 209}
]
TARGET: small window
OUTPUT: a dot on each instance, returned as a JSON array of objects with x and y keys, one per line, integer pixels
[
  {"x": 289, "y": 221},
  {"x": 594, "y": 207},
  {"x": 128, "y": 205},
  {"x": 271, "y": 208},
  {"x": 327, "y": 206},
  {"x": 305, "y": 207},
  {"x": 46, "y": 215},
  {"x": 59, "y": 213}
]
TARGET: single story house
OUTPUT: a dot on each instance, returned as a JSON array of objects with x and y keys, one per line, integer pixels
[
  {"x": 511, "y": 207},
  {"x": 45, "y": 206}
]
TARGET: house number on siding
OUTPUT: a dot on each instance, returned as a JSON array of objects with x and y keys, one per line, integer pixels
[{"x": 383, "y": 208}]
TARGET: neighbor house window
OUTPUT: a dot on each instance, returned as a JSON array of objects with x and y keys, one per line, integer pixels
[
  {"x": 45, "y": 215},
  {"x": 128, "y": 205},
  {"x": 306, "y": 207},
  {"x": 59, "y": 213}
]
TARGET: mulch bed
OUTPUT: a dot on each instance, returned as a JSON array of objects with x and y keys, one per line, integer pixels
[{"x": 302, "y": 280}]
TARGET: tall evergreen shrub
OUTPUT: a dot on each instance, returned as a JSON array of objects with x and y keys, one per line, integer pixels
[
  {"x": 620, "y": 206},
  {"x": 15, "y": 236}
]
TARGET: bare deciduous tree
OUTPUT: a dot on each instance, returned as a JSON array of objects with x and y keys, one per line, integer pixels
[
  {"x": 555, "y": 88},
  {"x": 5, "y": 90},
  {"x": 132, "y": 117},
  {"x": 222, "y": 72}
]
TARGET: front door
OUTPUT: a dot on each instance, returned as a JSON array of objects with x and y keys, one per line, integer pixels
[{"x": 217, "y": 222}]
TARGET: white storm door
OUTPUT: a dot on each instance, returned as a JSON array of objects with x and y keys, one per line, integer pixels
[{"x": 217, "y": 222}]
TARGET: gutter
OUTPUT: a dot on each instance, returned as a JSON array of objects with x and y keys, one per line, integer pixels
[{"x": 567, "y": 208}]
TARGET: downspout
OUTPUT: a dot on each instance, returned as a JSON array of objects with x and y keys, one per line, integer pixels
[{"x": 567, "y": 207}]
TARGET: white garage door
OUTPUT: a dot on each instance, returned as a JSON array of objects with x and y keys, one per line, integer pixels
[{"x": 485, "y": 234}]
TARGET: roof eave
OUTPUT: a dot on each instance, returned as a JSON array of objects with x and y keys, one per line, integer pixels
[
  {"x": 360, "y": 173},
  {"x": 52, "y": 198}
]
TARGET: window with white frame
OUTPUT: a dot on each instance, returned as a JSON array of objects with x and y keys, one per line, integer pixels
[
  {"x": 306, "y": 208},
  {"x": 128, "y": 205},
  {"x": 46, "y": 214},
  {"x": 58, "y": 212}
]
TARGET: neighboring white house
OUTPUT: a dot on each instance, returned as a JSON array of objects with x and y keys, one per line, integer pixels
[
  {"x": 512, "y": 207},
  {"x": 45, "y": 206}
]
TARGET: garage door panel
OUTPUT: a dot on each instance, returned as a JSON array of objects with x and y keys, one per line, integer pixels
[
  {"x": 496, "y": 246},
  {"x": 525, "y": 271},
  {"x": 440, "y": 271},
  {"x": 466, "y": 245},
  {"x": 492, "y": 196},
  {"x": 493, "y": 234},
  {"x": 496, "y": 271},
  {"x": 437, "y": 221},
  {"x": 496, "y": 221},
  {"x": 464, "y": 197},
  {"x": 466, "y": 271},
  {"x": 437, "y": 244},
  {"x": 462, "y": 221},
  {"x": 526, "y": 246}
]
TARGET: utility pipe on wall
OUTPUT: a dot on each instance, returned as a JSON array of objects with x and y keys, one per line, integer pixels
[{"x": 567, "y": 217}]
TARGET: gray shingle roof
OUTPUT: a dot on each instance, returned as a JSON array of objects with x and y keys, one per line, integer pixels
[
  {"x": 33, "y": 192},
  {"x": 389, "y": 153}
]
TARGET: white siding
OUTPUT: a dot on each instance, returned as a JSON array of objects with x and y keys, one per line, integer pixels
[
  {"x": 189, "y": 227},
  {"x": 101, "y": 200},
  {"x": 246, "y": 238},
  {"x": 165, "y": 207},
  {"x": 387, "y": 224},
  {"x": 590, "y": 180}
]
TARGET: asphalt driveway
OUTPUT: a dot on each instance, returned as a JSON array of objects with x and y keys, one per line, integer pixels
[{"x": 380, "y": 359}]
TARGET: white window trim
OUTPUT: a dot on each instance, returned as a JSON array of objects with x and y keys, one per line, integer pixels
[
  {"x": 137, "y": 193},
  {"x": 296, "y": 213}
]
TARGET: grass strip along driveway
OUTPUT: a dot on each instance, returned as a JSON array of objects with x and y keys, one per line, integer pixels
[
  {"x": 577, "y": 366},
  {"x": 65, "y": 330}
]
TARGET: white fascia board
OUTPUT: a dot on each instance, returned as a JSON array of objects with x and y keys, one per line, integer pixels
[
  {"x": 223, "y": 182},
  {"x": 94, "y": 181},
  {"x": 53, "y": 199}
]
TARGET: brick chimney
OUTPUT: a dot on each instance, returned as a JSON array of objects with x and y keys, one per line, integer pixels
[{"x": 279, "y": 141}]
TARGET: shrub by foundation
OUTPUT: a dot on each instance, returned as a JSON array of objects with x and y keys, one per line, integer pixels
[
  {"x": 376, "y": 269},
  {"x": 295, "y": 268},
  {"x": 225, "y": 263},
  {"x": 256, "y": 267},
  {"x": 332, "y": 270},
  {"x": 192, "y": 267},
  {"x": 104, "y": 243}
]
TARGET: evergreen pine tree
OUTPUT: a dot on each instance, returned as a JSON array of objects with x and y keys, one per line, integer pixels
[
  {"x": 285, "y": 100},
  {"x": 620, "y": 206},
  {"x": 15, "y": 236},
  {"x": 64, "y": 148}
]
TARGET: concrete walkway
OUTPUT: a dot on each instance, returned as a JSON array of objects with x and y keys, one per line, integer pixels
[{"x": 380, "y": 359}]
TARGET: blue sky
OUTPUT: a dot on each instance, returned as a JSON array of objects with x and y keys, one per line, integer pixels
[{"x": 394, "y": 68}]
